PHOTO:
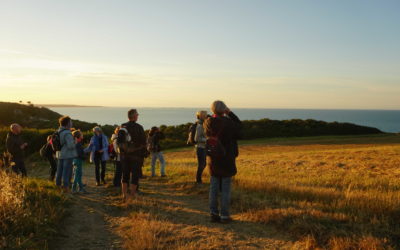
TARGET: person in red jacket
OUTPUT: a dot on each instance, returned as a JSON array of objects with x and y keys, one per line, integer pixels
[{"x": 222, "y": 131}]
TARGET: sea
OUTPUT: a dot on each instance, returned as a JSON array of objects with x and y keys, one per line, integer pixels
[{"x": 385, "y": 120}]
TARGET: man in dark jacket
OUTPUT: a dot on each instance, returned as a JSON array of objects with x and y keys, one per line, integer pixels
[
  {"x": 16, "y": 147},
  {"x": 132, "y": 144},
  {"x": 223, "y": 128}
]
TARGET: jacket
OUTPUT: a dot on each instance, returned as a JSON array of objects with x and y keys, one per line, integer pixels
[
  {"x": 68, "y": 149},
  {"x": 114, "y": 141},
  {"x": 155, "y": 139},
  {"x": 13, "y": 144},
  {"x": 92, "y": 148},
  {"x": 227, "y": 129},
  {"x": 80, "y": 151},
  {"x": 200, "y": 137},
  {"x": 136, "y": 148}
]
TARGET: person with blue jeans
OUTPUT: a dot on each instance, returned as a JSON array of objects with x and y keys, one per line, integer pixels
[
  {"x": 153, "y": 146},
  {"x": 98, "y": 148},
  {"x": 66, "y": 155},
  {"x": 200, "y": 140},
  {"x": 222, "y": 131},
  {"x": 78, "y": 162}
]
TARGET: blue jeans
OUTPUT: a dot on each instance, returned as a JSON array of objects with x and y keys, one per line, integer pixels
[
  {"x": 223, "y": 185},
  {"x": 160, "y": 157},
  {"x": 64, "y": 170},
  {"x": 201, "y": 163},
  {"x": 77, "y": 175}
]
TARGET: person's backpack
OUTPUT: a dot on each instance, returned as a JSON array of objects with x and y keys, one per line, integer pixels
[
  {"x": 192, "y": 134},
  {"x": 55, "y": 141},
  {"x": 111, "y": 151},
  {"x": 214, "y": 147},
  {"x": 44, "y": 150},
  {"x": 151, "y": 147}
]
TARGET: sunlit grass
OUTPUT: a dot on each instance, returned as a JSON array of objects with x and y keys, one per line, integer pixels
[
  {"x": 339, "y": 196},
  {"x": 30, "y": 210}
]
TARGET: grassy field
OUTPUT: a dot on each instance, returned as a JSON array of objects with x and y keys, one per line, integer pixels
[
  {"x": 327, "y": 192},
  {"x": 289, "y": 193}
]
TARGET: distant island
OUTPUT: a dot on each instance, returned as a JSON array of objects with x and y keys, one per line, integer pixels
[{"x": 66, "y": 106}]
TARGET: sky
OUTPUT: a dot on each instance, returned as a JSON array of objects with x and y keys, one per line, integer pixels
[{"x": 341, "y": 54}]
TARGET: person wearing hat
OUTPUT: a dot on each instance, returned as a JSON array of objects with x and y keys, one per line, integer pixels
[{"x": 98, "y": 148}]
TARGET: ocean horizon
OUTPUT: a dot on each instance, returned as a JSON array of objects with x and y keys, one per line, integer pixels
[{"x": 385, "y": 120}]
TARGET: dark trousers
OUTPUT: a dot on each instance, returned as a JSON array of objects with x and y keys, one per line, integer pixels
[
  {"x": 131, "y": 166},
  {"x": 53, "y": 167},
  {"x": 118, "y": 174},
  {"x": 100, "y": 176},
  {"x": 19, "y": 167},
  {"x": 201, "y": 163}
]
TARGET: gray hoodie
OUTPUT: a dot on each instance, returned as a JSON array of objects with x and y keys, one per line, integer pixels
[{"x": 68, "y": 149}]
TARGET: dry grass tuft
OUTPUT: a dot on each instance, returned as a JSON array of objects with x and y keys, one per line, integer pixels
[{"x": 30, "y": 210}]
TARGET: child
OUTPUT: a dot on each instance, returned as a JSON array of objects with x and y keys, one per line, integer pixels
[{"x": 78, "y": 162}]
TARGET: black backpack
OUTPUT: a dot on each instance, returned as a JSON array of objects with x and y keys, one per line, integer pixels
[
  {"x": 192, "y": 133},
  {"x": 56, "y": 141},
  {"x": 46, "y": 150}
]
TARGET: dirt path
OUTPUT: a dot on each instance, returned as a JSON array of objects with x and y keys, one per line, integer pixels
[
  {"x": 87, "y": 224},
  {"x": 95, "y": 220}
]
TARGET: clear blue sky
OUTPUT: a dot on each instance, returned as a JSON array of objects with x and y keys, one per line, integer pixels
[{"x": 267, "y": 54}]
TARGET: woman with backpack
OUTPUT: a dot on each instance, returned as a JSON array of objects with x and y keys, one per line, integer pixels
[
  {"x": 98, "y": 148},
  {"x": 66, "y": 153},
  {"x": 153, "y": 146},
  {"x": 200, "y": 145},
  {"x": 49, "y": 154},
  {"x": 222, "y": 131}
]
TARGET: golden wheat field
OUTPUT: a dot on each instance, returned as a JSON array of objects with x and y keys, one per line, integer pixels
[{"x": 342, "y": 196}]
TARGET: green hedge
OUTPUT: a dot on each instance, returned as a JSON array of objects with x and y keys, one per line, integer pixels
[{"x": 176, "y": 136}]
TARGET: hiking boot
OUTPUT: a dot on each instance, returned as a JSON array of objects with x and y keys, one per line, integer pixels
[
  {"x": 226, "y": 220},
  {"x": 215, "y": 218},
  {"x": 164, "y": 175},
  {"x": 98, "y": 183}
]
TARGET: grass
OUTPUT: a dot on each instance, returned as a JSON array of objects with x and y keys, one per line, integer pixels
[
  {"x": 324, "y": 192},
  {"x": 30, "y": 210}
]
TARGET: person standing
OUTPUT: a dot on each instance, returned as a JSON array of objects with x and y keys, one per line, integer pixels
[
  {"x": 222, "y": 131},
  {"x": 200, "y": 139},
  {"x": 49, "y": 154},
  {"x": 78, "y": 163},
  {"x": 117, "y": 159},
  {"x": 153, "y": 146},
  {"x": 98, "y": 148},
  {"x": 66, "y": 155},
  {"x": 132, "y": 145},
  {"x": 16, "y": 147}
]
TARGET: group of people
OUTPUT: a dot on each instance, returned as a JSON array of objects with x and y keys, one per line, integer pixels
[{"x": 214, "y": 136}]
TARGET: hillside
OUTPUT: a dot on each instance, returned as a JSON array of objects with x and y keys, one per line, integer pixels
[{"x": 30, "y": 116}]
